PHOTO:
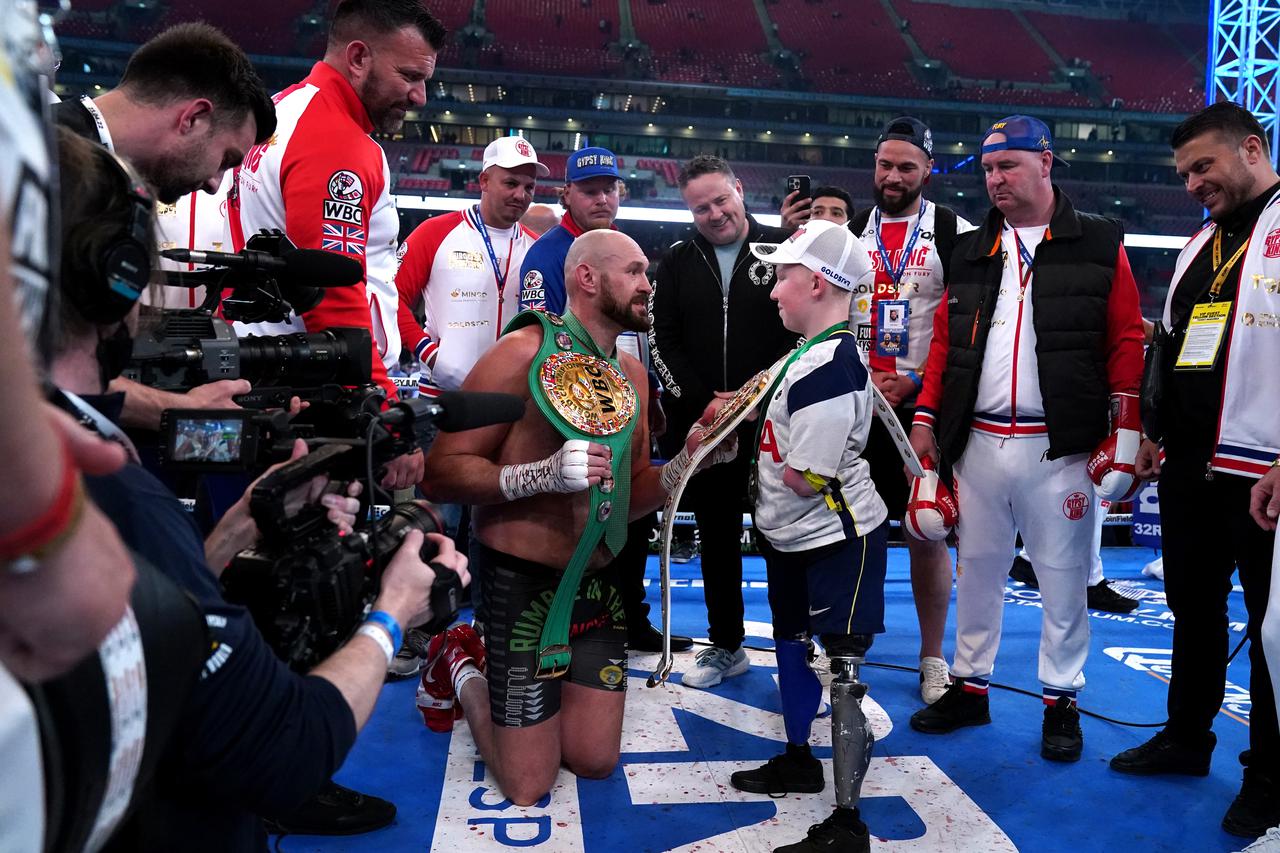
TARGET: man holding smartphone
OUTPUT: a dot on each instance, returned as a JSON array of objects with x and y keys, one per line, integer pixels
[{"x": 826, "y": 203}]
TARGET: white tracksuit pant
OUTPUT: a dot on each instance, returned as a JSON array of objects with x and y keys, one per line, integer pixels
[
  {"x": 1006, "y": 486},
  {"x": 1271, "y": 624},
  {"x": 1101, "y": 508}
]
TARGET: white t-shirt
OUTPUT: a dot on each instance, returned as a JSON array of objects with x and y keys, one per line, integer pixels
[{"x": 817, "y": 420}]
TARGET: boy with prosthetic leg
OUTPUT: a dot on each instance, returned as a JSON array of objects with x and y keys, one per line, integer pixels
[{"x": 823, "y": 526}]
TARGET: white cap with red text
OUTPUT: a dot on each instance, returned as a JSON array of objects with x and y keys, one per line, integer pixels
[{"x": 510, "y": 152}]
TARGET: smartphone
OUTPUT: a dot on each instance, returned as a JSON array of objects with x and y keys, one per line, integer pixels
[{"x": 798, "y": 183}]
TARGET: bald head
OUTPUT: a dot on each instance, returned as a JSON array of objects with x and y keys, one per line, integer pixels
[{"x": 605, "y": 275}]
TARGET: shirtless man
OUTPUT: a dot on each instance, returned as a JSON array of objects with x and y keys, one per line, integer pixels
[{"x": 531, "y": 518}]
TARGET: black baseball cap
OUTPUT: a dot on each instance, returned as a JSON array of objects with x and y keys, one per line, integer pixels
[{"x": 909, "y": 129}]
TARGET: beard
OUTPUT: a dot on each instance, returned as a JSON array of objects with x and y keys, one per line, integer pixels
[
  {"x": 172, "y": 179},
  {"x": 387, "y": 116},
  {"x": 623, "y": 313},
  {"x": 909, "y": 198}
]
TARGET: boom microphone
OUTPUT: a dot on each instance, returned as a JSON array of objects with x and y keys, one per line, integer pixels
[
  {"x": 307, "y": 267},
  {"x": 456, "y": 411}
]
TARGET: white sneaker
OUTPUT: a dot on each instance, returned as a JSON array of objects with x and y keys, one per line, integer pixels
[
  {"x": 713, "y": 665},
  {"x": 935, "y": 678},
  {"x": 1269, "y": 843}
]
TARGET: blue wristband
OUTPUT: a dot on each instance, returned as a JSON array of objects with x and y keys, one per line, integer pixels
[
  {"x": 915, "y": 379},
  {"x": 383, "y": 618}
]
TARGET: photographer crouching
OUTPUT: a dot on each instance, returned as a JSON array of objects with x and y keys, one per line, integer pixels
[{"x": 255, "y": 738}]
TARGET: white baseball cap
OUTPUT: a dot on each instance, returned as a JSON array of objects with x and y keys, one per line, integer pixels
[
  {"x": 827, "y": 248},
  {"x": 510, "y": 152}
]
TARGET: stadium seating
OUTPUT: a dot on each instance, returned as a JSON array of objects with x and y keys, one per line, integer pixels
[
  {"x": 718, "y": 43},
  {"x": 962, "y": 38},
  {"x": 846, "y": 46},
  {"x": 1136, "y": 62}
]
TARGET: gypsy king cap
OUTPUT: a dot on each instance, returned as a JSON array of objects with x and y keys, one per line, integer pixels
[{"x": 591, "y": 163}]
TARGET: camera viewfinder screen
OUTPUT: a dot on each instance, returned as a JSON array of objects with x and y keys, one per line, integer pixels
[{"x": 207, "y": 440}]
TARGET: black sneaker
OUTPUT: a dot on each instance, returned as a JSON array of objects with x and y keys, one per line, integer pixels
[
  {"x": 1022, "y": 572},
  {"x": 1163, "y": 754},
  {"x": 649, "y": 639},
  {"x": 335, "y": 811},
  {"x": 956, "y": 708},
  {"x": 1101, "y": 596},
  {"x": 683, "y": 552},
  {"x": 1060, "y": 735},
  {"x": 833, "y": 835},
  {"x": 1256, "y": 808},
  {"x": 409, "y": 660},
  {"x": 795, "y": 771}
]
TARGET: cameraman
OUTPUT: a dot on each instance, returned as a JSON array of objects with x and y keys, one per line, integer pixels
[
  {"x": 188, "y": 108},
  {"x": 255, "y": 738}
]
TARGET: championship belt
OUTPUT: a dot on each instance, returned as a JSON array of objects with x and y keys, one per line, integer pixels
[
  {"x": 890, "y": 420},
  {"x": 726, "y": 420},
  {"x": 584, "y": 395}
]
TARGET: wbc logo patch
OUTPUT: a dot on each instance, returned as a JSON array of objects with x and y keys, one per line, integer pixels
[{"x": 1272, "y": 248}]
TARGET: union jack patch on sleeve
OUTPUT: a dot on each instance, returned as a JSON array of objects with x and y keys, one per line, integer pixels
[{"x": 347, "y": 239}]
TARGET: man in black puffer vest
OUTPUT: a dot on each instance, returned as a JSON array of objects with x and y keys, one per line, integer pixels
[{"x": 1036, "y": 361}]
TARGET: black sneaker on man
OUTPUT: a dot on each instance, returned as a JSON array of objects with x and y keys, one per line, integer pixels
[
  {"x": 957, "y": 708},
  {"x": 795, "y": 771},
  {"x": 1102, "y": 597},
  {"x": 1060, "y": 735},
  {"x": 1162, "y": 754},
  {"x": 335, "y": 811},
  {"x": 1022, "y": 572},
  {"x": 683, "y": 550},
  {"x": 843, "y": 832},
  {"x": 1256, "y": 808}
]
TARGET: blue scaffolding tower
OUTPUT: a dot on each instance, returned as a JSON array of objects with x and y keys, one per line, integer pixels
[{"x": 1244, "y": 60}]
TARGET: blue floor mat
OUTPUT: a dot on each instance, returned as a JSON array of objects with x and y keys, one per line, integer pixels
[{"x": 978, "y": 789}]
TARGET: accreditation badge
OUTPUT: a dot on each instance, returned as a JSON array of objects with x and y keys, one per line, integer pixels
[
  {"x": 892, "y": 340},
  {"x": 592, "y": 395},
  {"x": 1203, "y": 340}
]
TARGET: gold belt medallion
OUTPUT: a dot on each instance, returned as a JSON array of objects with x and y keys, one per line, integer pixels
[{"x": 592, "y": 395}]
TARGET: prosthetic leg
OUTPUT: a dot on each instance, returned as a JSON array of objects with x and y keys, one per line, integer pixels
[
  {"x": 851, "y": 738},
  {"x": 851, "y": 744}
]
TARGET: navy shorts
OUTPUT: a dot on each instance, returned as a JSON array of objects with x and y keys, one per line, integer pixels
[
  {"x": 515, "y": 596},
  {"x": 835, "y": 589}
]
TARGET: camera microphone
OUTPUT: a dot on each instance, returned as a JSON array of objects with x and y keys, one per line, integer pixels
[
  {"x": 308, "y": 267},
  {"x": 456, "y": 411}
]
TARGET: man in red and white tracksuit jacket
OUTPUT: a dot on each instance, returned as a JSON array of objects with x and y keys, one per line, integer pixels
[
  {"x": 1031, "y": 390},
  {"x": 324, "y": 182},
  {"x": 463, "y": 269}
]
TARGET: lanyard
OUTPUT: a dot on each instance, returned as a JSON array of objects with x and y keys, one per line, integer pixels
[
  {"x": 1025, "y": 260},
  {"x": 896, "y": 275},
  {"x": 838, "y": 328},
  {"x": 499, "y": 275},
  {"x": 104, "y": 135},
  {"x": 1223, "y": 270}
]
